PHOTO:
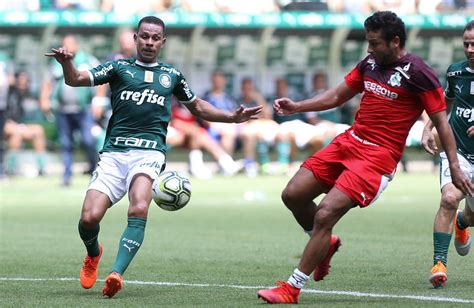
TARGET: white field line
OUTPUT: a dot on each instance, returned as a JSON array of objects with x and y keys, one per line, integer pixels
[{"x": 207, "y": 285}]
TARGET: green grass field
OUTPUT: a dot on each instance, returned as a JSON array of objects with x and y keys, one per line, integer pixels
[{"x": 224, "y": 246}]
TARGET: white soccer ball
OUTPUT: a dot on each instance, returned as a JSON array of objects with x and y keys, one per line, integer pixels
[{"x": 171, "y": 190}]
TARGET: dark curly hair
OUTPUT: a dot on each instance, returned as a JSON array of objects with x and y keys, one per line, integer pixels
[
  {"x": 151, "y": 20},
  {"x": 390, "y": 24},
  {"x": 469, "y": 26}
]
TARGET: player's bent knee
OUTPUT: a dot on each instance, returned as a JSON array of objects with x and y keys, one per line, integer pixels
[
  {"x": 449, "y": 201},
  {"x": 139, "y": 209},
  {"x": 289, "y": 198}
]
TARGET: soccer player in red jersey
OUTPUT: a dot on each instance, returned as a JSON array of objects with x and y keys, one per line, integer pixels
[{"x": 357, "y": 165}]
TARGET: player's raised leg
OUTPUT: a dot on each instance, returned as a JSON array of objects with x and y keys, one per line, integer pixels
[
  {"x": 133, "y": 235},
  {"x": 93, "y": 210}
]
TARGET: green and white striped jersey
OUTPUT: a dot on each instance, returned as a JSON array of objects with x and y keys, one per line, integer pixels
[
  {"x": 460, "y": 87},
  {"x": 141, "y": 102}
]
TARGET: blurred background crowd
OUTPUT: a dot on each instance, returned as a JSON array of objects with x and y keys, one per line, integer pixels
[
  {"x": 243, "y": 6},
  {"x": 46, "y": 122}
]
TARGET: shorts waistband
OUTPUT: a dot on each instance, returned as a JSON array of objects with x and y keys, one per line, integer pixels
[{"x": 363, "y": 141}]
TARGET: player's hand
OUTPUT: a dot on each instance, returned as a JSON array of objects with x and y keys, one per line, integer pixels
[
  {"x": 60, "y": 54},
  {"x": 285, "y": 106},
  {"x": 462, "y": 182},
  {"x": 428, "y": 142},
  {"x": 243, "y": 114},
  {"x": 470, "y": 131}
]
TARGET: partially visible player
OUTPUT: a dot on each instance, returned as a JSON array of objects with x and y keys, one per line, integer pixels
[
  {"x": 357, "y": 165},
  {"x": 134, "y": 149},
  {"x": 459, "y": 95}
]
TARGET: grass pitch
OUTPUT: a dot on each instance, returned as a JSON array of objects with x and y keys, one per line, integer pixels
[{"x": 234, "y": 237}]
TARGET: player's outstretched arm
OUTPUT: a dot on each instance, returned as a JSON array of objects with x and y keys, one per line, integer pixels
[
  {"x": 72, "y": 77},
  {"x": 448, "y": 143},
  {"x": 203, "y": 109},
  {"x": 328, "y": 99}
]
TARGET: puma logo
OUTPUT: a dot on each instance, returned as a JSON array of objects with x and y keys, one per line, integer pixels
[
  {"x": 130, "y": 73},
  {"x": 459, "y": 88}
]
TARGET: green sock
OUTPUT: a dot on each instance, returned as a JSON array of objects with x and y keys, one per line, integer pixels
[
  {"x": 89, "y": 237},
  {"x": 283, "y": 152},
  {"x": 40, "y": 161},
  {"x": 441, "y": 245},
  {"x": 263, "y": 153},
  {"x": 12, "y": 162},
  {"x": 130, "y": 242},
  {"x": 461, "y": 222}
]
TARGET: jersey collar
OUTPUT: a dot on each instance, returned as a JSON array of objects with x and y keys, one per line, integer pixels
[
  {"x": 470, "y": 70},
  {"x": 146, "y": 64}
]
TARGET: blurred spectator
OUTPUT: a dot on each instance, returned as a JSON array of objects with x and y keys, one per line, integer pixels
[
  {"x": 303, "y": 5},
  {"x": 400, "y": 7},
  {"x": 319, "y": 85},
  {"x": 254, "y": 132},
  {"x": 71, "y": 108},
  {"x": 249, "y": 6},
  {"x": 20, "y": 5},
  {"x": 226, "y": 133},
  {"x": 204, "y": 6},
  {"x": 428, "y": 7},
  {"x": 185, "y": 131},
  {"x": 124, "y": 7},
  {"x": 23, "y": 123},
  {"x": 5, "y": 81},
  {"x": 349, "y": 6},
  {"x": 86, "y": 5},
  {"x": 465, "y": 6}
]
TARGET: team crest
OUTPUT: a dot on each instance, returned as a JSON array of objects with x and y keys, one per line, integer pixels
[
  {"x": 395, "y": 80},
  {"x": 165, "y": 80}
]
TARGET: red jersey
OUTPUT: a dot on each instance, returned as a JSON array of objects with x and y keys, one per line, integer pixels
[{"x": 393, "y": 99}]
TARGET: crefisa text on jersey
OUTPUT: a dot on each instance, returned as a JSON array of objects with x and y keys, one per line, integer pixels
[{"x": 139, "y": 98}]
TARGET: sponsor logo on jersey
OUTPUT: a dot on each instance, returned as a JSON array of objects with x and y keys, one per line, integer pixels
[
  {"x": 459, "y": 88},
  {"x": 135, "y": 142},
  {"x": 103, "y": 71},
  {"x": 395, "y": 80},
  {"x": 147, "y": 96},
  {"x": 472, "y": 87},
  {"x": 186, "y": 89},
  {"x": 379, "y": 90},
  {"x": 465, "y": 113},
  {"x": 372, "y": 63},
  {"x": 454, "y": 73},
  {"x": 122, "y": 62},
  {"x": 165, "y": 80},
  {"x": 170, "y": 70}
]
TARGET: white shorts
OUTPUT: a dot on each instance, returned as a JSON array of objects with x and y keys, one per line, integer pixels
[
  {"x": 116, "y": 170},
  {"x": 445, "y": 173}
]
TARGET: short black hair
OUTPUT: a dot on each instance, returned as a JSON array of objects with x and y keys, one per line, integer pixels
[
  {"x": 390, "y": 24},
  {"x": 469, "y": 26},
  {"x": 151, "y": 20}
]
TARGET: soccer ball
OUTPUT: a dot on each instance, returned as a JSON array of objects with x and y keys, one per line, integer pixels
[{"x": 171, "y": 190}]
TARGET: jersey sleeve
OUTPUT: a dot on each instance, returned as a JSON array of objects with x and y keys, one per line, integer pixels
[
  {"x": 425, "y": 83},
  {"x": 448, "y": 90},
  {"x": 182, "y": 91},
  {"x": 355, "y": 79},
  {"x": 103, "y": 73}
]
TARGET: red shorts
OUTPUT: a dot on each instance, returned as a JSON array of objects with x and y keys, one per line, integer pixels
[{"x": 358, "y": 168}]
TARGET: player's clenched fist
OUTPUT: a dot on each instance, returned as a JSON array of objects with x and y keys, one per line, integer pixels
[{"x": 285, "y": 105}]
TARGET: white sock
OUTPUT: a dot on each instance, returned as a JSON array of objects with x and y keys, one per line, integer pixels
[
  {"x": 196, "y": 158},
  {"x": 298, "y": 279},
  {"x": 225, "y": 160}
]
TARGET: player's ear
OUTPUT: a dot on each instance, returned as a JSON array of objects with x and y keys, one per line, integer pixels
[
  {"x": 164, "y": 41},
  {"x": 135, "y": 38}
]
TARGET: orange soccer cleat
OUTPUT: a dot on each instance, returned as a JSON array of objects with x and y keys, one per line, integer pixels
[
  {"x": 113, "y": 284},
  {"x": 323, "y": 268},
  {"x": 463, "y": 238},
  {"x": 285, "y": 293},
  {"x": 88, "y": 274},
  {"x": 439, "y": 275}
]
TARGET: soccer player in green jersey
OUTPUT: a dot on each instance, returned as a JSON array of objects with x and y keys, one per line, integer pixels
[
  {"x": 134, "y": 149},
  {"x": 459, "y": 94}
]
